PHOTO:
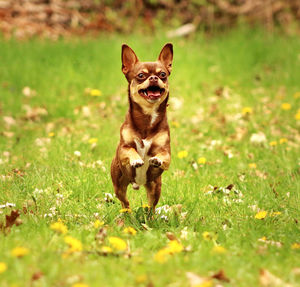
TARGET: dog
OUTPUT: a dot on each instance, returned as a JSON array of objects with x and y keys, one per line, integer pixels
[{"x": 144, "y": 150}]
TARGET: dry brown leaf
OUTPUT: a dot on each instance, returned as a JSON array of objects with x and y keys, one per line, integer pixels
[
  {"x": 230, "y": 186},
  {"x": 261, "y": 174},
  {"x": 100, "y": 236},
  {"x": 221, "y": 276},
  {"x": 171, "y": 236},
  {"x": 267, "y": 279},
  {"x": 18, "y": 172},
  {"x": 37, "y": 275},
  {"x": 196, "y": 280},
  {"x": 12, "y": 218},
  {"x": 10, "y": 121},
  {"x": 8, "y": 134},
  {"x": 120, "y": 222}
]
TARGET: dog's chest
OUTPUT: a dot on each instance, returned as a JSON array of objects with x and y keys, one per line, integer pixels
[{"x": 142, "y": 149}]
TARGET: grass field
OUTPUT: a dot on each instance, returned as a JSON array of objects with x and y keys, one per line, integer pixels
[{"x": 234, "y": 117}]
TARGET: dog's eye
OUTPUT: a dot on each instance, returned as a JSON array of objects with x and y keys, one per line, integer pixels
[
  {"x": 141, "y": 75},
  {"x": 162, "y": 74}
]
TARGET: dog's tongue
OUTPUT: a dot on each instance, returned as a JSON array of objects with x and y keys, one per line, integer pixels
[{"x": 153, "y": 94}]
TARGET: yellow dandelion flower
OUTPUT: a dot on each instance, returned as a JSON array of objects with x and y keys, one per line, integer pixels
[
  {"x": 98, "y": 223},
  {"x": 207, "y": 283},
  {"x": 59, "y": 227},
  {"x": 161, "y": 256},
  {"x": 106, "y": 249},
  {"x": 252, "y": 165},
  {"x": 3, "y": 267},
  {"x": 141, "y": 279},
  {"x": 295, "y": 245},
  {"x": 125, "y": 210},
  {"x": 175, "y": 124},
  {"x": 264, "y": 238},
  {"x": 145, "y": 206},
  {"x": 273, "y": 143},
  {"x": 209, "y": 236},
  {"x": 52, "y": 134},
  {"x": 247, "y": 111},
  {"x": 92, "y": 140},
  {"x": 297, "y": 116},
  {"x": 219, "y": 249},
  {"x": 80, "y": 285},
  {"x": 297, "y": 95},
  {"x": 182, "y": 154},
  {"x": 19, "y": 251},
  {"x": 283, "y": 140},
  {"x": 130, "y": 230},
  {"x": 95, "y": 93},
  {"x": 261, "y": 214},
  {"x": 117, "y": 243},
  {"x": 174, "y": 247},
  {"x": 74, "y": 244},
  {"x": 285, "y": 106},
  {"x": 201, "y": 160}
]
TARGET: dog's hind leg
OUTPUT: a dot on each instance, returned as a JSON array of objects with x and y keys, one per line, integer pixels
[
  {"x": 120, "y": 192},
  {"x": 153, "y": 192},
  {"x": 120, "y": 185}
]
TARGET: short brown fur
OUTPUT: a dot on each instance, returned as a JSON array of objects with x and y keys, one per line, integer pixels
[{"x": 144, "y": 151}]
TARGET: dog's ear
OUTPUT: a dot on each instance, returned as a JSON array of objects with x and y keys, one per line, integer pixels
[
  {"x": 166, "y": 56},
  {"x": 129, "y": 59}
]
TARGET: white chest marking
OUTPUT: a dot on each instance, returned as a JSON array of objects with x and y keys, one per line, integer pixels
[
  {"x": 141, "y": 172},
  {"x": 154, "y": 116}
]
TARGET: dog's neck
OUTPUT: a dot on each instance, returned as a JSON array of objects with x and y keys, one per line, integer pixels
[{"x": 150, "y": 122}]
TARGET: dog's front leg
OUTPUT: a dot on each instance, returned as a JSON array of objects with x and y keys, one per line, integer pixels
[
  {"x": 130, "y": 155},
  {"x": 161, "y": 159}
]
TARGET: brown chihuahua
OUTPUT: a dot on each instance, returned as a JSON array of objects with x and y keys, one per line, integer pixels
[{"x": 144, "y": 149}]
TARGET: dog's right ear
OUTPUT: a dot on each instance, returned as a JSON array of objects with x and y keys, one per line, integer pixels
[{"x": 129, "y": 59}]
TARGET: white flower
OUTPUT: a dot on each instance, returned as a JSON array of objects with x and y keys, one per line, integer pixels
[
  {"x": 77, "y": 153},
  {"x": 164, "y": 217},
  {"x": 7, "y": 204},
  {"x": 258, "y": 138}
]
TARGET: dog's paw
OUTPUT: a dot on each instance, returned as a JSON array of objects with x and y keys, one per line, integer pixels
[
  {"x": 137, "y": 163},
  {"x": 155, "y": 161}
]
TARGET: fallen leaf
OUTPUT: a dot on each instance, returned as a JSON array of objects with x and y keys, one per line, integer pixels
[
  {"x": 10, "y": 121},
  {"x": 230, "y": 186},
  {"x": 261, "y": 174},
  {"x": 100, "y": 236},
  {"x": 171, "y": 236},
  {"x": 267, "y": 279},
  {"x": 12, "y": 218},
  {"x": 196, "y": 280},
  {"x": 8, "y": 134},
  {"x": 120, "y": 222},
  {"x": 220, "y": 276},
  {"x": 37, "y": 275}
]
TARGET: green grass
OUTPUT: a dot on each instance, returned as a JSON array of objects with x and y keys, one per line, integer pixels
[{"x": 254, "y": 69}]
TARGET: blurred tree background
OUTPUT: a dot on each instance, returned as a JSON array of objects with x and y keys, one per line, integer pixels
[{"x": 55, "y": 18}]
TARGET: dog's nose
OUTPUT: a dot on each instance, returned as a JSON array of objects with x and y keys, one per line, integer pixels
[{"x": 153, "y": 79}]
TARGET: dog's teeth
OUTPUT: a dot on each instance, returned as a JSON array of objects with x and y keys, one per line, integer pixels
[{"x": 145, "y": 93}]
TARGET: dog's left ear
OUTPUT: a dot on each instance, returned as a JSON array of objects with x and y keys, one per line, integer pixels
[{"x": 166, "y": 56}]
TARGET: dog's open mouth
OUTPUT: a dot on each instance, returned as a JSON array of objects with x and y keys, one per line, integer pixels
[{"x": 152, "y": 92}]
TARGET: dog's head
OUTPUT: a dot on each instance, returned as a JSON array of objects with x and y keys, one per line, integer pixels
[{"x": 148, "y": 81}]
